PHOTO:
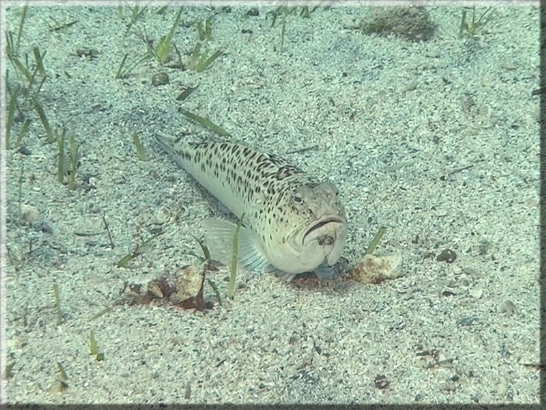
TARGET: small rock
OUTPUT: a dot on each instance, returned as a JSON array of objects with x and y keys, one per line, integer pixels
[
  {"x": 507, "y": 307},
  {"x": 253, "y": 12},
  {"x": 381, "y": 382},
  {"x": 24, "y": 150},
  {"x": 448, "y": 292},
  {"x": 376, "y": 269},
  {"x": 189, "y": 282},
  {"x": 467, "y": 321},
  {"x": 29, "y": 214},
  {"x": 502, "y": 388},
  {"x": 476, "y": 293},
  {"x": 447, "y": 255},
  {"x": 42, "y": 226},
  {"x": 160, "y": 79},
  {"x": 161, "y": 288},
  {"x": 471, "y": 132},
  {"x": 162, "y": 215},
  {"x": 440, "y": 212},
  {"x": 448, "y": 386},
  {"x": 508, "y": 66}
]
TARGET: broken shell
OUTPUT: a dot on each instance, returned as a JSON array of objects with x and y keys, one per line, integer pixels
[
  {"x": 162, "y": 287},
  {"x": 189, "y": 282},
  {"x": 155, "y": 290},
  {"x": 376, "y": 269}
]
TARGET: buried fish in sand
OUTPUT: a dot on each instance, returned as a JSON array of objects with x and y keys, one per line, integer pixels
[{"x": 293, "y": 222}]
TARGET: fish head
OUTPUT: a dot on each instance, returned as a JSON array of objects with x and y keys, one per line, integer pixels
[{"x": 312, "y": 230}]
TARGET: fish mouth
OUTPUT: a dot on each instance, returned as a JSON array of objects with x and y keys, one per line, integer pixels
[{"x": 325, "y": 220}]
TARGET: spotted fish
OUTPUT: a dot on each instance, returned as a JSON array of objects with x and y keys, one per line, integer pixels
[{"x": 293, "y": 223}]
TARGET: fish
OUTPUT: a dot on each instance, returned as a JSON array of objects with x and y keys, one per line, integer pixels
[{"x": 293, "y": 222}]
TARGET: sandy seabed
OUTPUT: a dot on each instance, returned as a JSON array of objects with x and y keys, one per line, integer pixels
[{"x": 437, "y": 140}]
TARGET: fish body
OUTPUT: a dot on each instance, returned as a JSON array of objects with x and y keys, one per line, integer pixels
[{"x": 292, "y": 221}]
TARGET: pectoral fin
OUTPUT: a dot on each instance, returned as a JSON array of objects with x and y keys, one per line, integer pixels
[
  {"x": 324, "y": 271},
  {"x": 285, "y": 276},
  {"x": 219, "y": 239}
]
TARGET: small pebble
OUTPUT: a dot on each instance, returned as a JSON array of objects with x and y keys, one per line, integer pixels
[
  {"x": 162, "y": 215},
  {"x": 467, "y": 321},
  {"x": 508, "y": 66},
  {"x": 476, "y": 293},
  {"x": 160, "y": 79},
  {"x": 381, "y": 382},
  {"x": 189, "y": 281},
  {"x": 440, "y": 212},
  {"x": 502, "y": 388},
  {"x": 447, "y": 255},
  {"x": 448, "y": 292},
  {"x": 42, "y": 226},
  {"x": 253, "y": 12},
  {"x": 471, "y": 132},
  {"x": 24, "y": 150},
  {"x": 29, "y": 214},
  {"x": 507, "y": 307},
  {"x": 448, "y": 386},
  {"x": 375, "y": 269}
]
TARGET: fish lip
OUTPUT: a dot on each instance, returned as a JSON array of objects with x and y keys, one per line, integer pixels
[{"x": 321, "y": 222}]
